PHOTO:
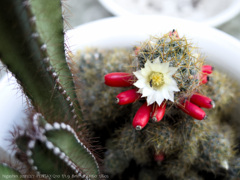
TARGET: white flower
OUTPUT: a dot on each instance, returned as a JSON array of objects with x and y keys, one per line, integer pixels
[{"x": 155, "y": 81}]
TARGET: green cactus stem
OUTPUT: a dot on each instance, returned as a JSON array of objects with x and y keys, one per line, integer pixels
[
  {"x": 25, "y": 53},
  {"x": 7, "y": 172},
  {"x": 51, "y": 31},
  {"x": 56, "y": 150}
]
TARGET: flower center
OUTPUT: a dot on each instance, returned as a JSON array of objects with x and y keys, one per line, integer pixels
[{"x": 156, "y": 79}]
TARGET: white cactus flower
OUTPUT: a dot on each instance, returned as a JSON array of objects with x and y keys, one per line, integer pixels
[{"x": 155, "y": 81}]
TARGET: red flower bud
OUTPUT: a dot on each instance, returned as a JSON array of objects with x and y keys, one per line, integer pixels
[
  {"x": 119, "y": 79},
  {"x": 204, "y": 79},
  {"x": 158, "y": 112},
  {"x": 159, "y": 157},
  {"x": 136, "y": 50},
  {"x": 127, "y": 97},
  {"x": 207, "y": 69},
  {"x": 174, "y": 33},
  {"x": 142, "y": 116},
  {"x": 202, "y": 101},
  {"x": 193, "y": 110}
]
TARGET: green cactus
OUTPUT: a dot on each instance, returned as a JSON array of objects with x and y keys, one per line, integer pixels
[
  {"x": 96, "y": 97},
  {"x": 32, "y": 48},
  {"x": 115, "y": 161},
  {"x": 234, "y": 174},
  {"x": 7, "y": 172},
  {"x": 148, "y": 174},
  {"x": 54, "y": 145},
  {"x": 56, "y": 150},
  {"x": 51, "y": 32},
  {"x": 179, "y": 53},
  {"x": 156, "y": 137},
  {"x": 138, "y": 150},
  {"x": 32, "y": 62},
  {"x": 191, "y": 149}
]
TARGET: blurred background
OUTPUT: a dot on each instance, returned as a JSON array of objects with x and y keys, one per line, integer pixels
[
  {"x": 78, "y": 12},
  {"x": 83, "y": 11}
]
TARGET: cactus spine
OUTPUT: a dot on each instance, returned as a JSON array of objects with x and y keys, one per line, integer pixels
[
  {"x": 54, "y": 149},
  {"x": 32, "y": 47},
  {"x": 34, "y": 70},
  {"x": 176, "y": 147},
  {"x": 188, "y": 148}
]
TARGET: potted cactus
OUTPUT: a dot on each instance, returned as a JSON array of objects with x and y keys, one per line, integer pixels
[
  {"x": 185, "y": 137},
  {"x": 168, "y": 83}
]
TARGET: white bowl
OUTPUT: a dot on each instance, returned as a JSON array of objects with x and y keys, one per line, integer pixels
[
  {"x": 221, "y": 16},
  {"x": 221, "y": 50},
  {"x": 12, "y": 108}
]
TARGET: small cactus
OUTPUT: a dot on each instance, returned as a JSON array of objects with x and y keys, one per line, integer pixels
[
  {"x": 168, "y": 70},
  {"x": 174, "y": 145},
  {"x": 156, "y": 137},
  {"x": 98, "y": 101},
  {"x": 179, "y": 53}
]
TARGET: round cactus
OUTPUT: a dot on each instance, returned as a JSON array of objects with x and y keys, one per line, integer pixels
[
  {"x": 98, "y": 101},
  {"x": 167, "y": 70},
  {"x": 175, "y": 144},
  {"x": 179, "y": 53}
]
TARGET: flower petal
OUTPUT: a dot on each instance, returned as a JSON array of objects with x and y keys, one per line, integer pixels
[
  {"x": 146, "y": 91},
  {"x": 172, "y": 88},
  {"x": 171, "y": 96},
  {"x": 161, "y": 67},
  {"x": 159, "y": 98},
  {"x": 140, "y": 91},
  {"x": 146, "y": 71},
  {"x": 150, "y": 99},
  {"x": 140, "y": 83},
  {"x": 156, "y": 94},
  {"x": 169, "y": 80},
  {"x": 172, "y": 70},
  {"x": 165, "y": 94},
  {"x": 138, "y": 74},
  {"x": 156, "y": 61}
]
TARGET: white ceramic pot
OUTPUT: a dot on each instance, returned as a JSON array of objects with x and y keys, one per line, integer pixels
[
  {"x": 230, "y": 11},
  {"x": 222, "y": 50}
]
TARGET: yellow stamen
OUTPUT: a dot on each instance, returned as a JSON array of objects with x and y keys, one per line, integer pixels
[{"x": 156, "y": 79}]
